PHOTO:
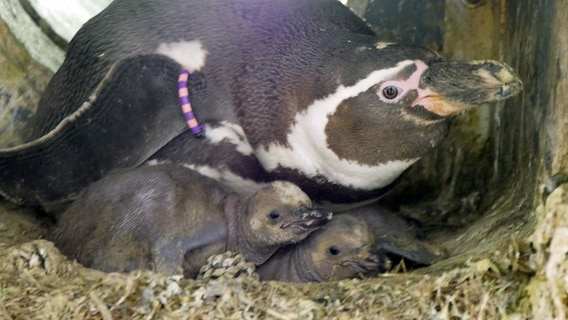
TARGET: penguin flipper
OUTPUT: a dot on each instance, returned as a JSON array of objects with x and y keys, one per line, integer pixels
[
  {"x": 133, "y": 112},
  {"x": 187, "y": 253}
]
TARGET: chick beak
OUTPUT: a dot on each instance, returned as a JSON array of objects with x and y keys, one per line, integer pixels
[
  {"x": 449, "y": 87},
  {"x": 309, "y": 220}
]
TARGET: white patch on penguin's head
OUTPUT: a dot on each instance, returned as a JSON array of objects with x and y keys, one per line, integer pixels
[
  {"x": 307, "y": 148},
  {"x": 190, "y": 54}
]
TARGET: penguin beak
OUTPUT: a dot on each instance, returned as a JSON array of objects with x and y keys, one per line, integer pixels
[
  {"x": 449, "y": 87},
  {"x": 309, "y": 220}
]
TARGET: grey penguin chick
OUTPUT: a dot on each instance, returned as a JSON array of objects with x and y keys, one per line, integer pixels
[
  {"x": 170, "y": 219},
  {"x": 339, "y": 250}
]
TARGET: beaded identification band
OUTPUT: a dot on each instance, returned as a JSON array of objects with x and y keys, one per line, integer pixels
[{"x": 183, "y": 93}]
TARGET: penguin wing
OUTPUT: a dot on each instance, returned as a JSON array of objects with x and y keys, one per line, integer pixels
[
  {"x": 189, "y": 251},
  {"x": 132, "y": 113}
]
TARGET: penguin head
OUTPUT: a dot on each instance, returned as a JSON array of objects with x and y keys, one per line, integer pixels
[
  {"x": 378, "y": 119},
  {"x": 397, "y": 101},
  {"x": 376, "y": 110},
  {"x": 342, "y": 249},
  {"x": 281, "y": 214}
]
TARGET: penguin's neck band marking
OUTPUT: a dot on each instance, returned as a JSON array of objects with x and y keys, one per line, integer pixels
[{"x": 183, "y": 92}]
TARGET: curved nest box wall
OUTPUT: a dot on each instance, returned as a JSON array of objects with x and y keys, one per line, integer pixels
[{"x": 495, "y": 194}]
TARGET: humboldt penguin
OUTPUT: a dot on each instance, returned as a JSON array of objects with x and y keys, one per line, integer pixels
[
  {"x": 171, "y": 219},
  {"x": 339, "y": 250},
  {"x": 295, "y": 90}
]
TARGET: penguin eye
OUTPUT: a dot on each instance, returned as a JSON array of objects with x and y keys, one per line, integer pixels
[
  {"x": 390, "y": 92},
  {"x": 333, "y": 250},
  {"x": 274, "y": 214}
]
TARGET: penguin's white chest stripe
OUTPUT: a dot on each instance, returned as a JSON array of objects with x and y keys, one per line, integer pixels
[
  {"x": 308, "y": 151},
  {"x": 190, "y": 54}
]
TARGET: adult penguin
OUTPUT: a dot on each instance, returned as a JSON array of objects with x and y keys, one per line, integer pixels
[{"x": 292, "y": 90}]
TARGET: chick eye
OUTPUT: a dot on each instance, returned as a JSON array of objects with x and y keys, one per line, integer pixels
[
  {"x": 274, "y": 214},
  {"x": 390, "y": 92},
  {"x": 333, "y": 250}
]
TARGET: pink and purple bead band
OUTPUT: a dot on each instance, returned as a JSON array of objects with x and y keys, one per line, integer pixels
[{"x": 183, "y": 93}]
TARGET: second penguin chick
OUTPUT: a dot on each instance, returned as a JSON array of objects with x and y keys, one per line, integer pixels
[
  {"x": 170, "y": 219},
  {"x": 339, "y": 250}
]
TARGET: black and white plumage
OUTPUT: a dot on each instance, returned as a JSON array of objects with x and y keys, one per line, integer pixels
[{"x": 291, "y": 89}]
